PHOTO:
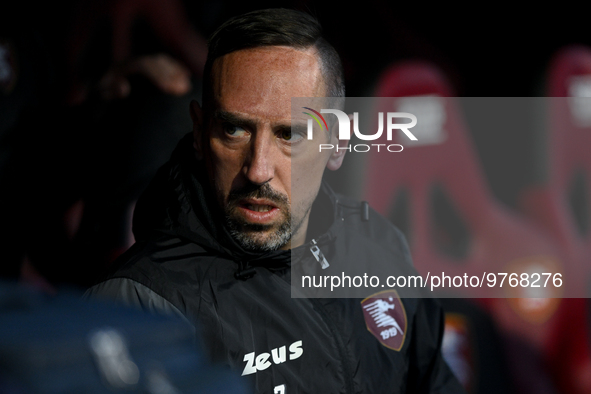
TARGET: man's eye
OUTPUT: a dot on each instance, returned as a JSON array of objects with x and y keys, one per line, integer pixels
[
  {"x": 235, "y": 131},
  {"x": 287, "y": 135}
]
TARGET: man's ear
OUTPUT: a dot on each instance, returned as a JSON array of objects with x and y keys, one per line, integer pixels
[
  {"x": 197, "y": 116},
  {"x": 336, "y": 158}
]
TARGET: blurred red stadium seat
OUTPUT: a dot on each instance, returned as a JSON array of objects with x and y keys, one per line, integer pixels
[
  {"x": 435, "y": 190},
  {"x": 561, "y": 204}
]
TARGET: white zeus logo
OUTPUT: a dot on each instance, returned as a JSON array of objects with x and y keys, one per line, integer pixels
[
  {"x": 345, "y": 129},
  {"x": 278, "y": 355}
]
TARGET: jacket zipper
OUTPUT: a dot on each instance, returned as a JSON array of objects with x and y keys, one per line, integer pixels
[{"x": 340, "y": 345}]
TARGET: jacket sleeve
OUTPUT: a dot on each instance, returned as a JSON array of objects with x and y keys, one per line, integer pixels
[
  {"x": 129, "y": 292},
  {"x": 429, "y": 373}
]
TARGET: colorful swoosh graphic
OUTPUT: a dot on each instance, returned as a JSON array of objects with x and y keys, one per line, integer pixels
[{"x": 315, "y": 118}]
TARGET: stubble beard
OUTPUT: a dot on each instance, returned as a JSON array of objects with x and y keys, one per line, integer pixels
[{"x": 256, "y": 237}]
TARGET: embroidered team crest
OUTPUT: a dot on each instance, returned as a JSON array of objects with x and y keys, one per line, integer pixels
[{"x": 385, "y": 318}]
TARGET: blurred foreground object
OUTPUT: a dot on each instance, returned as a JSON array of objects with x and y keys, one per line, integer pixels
[{"x": 64, "y": 345}]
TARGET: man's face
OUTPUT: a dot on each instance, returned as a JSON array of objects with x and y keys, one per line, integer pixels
[{"x": 266, "y": 177}]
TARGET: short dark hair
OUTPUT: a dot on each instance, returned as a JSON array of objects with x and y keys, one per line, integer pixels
[{"x": 277, "y": 27}]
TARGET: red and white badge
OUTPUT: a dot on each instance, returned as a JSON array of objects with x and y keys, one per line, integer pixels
[{"x": 385, "y": 318}]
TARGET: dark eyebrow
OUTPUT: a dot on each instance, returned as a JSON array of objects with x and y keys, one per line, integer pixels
[
  {"x": 299, "y": 127},
  {"x": 238, "y": 120},
  {"x": 234, "y": 119}
]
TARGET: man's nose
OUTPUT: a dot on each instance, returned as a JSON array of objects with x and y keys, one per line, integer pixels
[{"x": 259, "y": 166}]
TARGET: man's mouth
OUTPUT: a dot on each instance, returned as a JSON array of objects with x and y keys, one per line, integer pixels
[
  {"x": 257, "y": 205},
  {"x": 258, "y": 211},
  {"x": 259, "y": 208},
  {"x": 259, "y": 217}
]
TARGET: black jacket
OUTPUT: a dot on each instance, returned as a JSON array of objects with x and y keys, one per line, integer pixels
[{"x": 184, "y": 261}]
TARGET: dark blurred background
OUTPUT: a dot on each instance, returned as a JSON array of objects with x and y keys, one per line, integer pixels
[{"x": 94, "y": 96}]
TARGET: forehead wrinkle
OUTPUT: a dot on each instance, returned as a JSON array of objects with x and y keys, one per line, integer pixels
[
  {"x": 252, "y": 81},
  {"x": 242, "y": 119}
]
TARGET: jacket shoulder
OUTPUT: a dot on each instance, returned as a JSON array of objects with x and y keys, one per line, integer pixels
[
  {"x": 359, "y": 216},
  {"x": 134, "y": 294},
  {"x": 153, "y": 275}
]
